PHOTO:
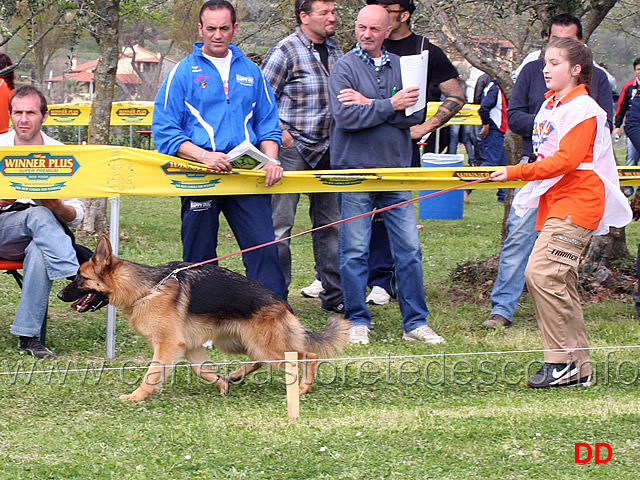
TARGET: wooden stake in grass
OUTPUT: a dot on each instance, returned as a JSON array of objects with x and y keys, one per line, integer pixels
[{"x": 293, "y": 394}]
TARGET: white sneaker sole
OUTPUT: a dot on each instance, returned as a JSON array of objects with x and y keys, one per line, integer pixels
[
  {"x": 370, "y": 301},
  {"x": 430, "y": 342},
  {"x": 309, "y": 295}
]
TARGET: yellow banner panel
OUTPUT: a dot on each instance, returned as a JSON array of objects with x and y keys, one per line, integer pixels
[
  {"x": 141, "y": 113},
  {"x": 131, "y": 113},
  {"x": 68, "y": 114},
  {"x": 468, "y": 114},
  {"x": 122, "y": 113},
  {"x": 88, "y": 171}
]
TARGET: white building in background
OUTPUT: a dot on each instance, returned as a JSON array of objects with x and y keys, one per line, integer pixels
[{"x": 138, "y": 76}]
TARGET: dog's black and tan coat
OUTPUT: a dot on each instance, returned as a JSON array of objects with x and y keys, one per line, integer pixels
[{"x": 204, "y": 303}]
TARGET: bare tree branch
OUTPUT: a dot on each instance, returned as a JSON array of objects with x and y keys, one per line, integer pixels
[
  {"x": 8, "y": 35},
  {"x": 33, "y": 44},
  {"x": 492, "y": 66}
]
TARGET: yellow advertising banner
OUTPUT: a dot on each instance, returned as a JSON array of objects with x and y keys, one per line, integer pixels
[
  {"x": 468, "y": 114},
  {"x": 69, "y": 114},
  {"x": 122, "y": 113},
  {"x": 88, "y": 171},
  {"x": 141, "y": 113}
]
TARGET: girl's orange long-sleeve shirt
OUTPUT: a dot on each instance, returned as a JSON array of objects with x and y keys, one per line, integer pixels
[
  {"x": 5, "y": 95},
  {"x": 580, "y": 193}
]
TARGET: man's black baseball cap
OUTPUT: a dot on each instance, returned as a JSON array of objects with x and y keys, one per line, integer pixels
[{"x": 408, "y": 5}]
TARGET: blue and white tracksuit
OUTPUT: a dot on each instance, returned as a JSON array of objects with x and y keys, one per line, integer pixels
[{"x": 192, "y": 105}]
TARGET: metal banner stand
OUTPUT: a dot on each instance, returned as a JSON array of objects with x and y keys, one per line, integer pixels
[{"x": 114, "y": 235}]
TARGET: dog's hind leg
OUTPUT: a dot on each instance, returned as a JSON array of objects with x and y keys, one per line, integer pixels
[
  {"x": 202, "y": 367},
  {"x": 165, "y": 357},
  {"x": 308, "y": 365},
  {"x": 243, "y": 371}
]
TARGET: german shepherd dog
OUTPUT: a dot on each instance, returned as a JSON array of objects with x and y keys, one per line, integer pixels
[{"x": 177, "y": 313}]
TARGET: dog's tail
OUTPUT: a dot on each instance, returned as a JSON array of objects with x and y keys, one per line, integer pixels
[{"x": 331, "y": 339}]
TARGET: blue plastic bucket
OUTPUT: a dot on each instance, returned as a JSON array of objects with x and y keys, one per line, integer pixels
[{"x": 446, "y": 206}]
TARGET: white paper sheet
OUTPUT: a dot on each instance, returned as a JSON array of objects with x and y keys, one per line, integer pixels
[{"x": 414, "y": 74}]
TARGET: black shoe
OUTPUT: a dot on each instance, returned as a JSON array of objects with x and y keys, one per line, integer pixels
[
  {"x": 32, "y": 346},
  {"x": 339, "y": 308},
  {"x": 558, "y": 375}
]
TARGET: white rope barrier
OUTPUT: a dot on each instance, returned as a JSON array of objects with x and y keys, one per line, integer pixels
[
  {"x": 319, "y": 360},
  {"x": 291, "y": 363}
]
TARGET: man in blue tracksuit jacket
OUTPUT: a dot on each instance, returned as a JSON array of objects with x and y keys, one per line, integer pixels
[{"x": 209, "y": 103}]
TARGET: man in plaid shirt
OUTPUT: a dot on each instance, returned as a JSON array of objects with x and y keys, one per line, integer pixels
[{"x": 298, "y": 69}]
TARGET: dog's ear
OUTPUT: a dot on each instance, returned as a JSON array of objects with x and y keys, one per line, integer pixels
[{"x": 102, "y": 258}]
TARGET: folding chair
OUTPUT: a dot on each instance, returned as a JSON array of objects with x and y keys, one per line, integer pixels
[{"x": 10, "y": 267}]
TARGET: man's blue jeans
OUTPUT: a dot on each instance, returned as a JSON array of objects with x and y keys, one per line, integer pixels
[
  {"x": 514, "y": 257},
  {"x": 323, "y": 210},
  {"x": 353, "y": 256},
  {"x": 461, "y": 133},
  {"x": 632, "y": 154},
  {"x": 35, "y": 237},
  {"x": 381, "y": 268}
]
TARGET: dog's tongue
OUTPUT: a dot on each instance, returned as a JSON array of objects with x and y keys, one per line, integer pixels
[{"x": 84, "y": 303}]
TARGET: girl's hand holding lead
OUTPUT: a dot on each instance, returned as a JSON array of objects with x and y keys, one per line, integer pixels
[{"x": 499, "y": 175}]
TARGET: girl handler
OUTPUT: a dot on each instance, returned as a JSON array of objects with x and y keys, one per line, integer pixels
[
  {"x": 7, "y": 84},
  {"x": 574, "y": 183}
]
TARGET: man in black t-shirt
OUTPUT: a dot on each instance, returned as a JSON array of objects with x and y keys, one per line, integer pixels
[
  {"x": 440, "y": 68},
  {"x": 441, "y": 74},
  {"x": 442, "y": 81}
]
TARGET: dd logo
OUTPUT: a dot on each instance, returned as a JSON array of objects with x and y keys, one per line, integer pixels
[{"x": 589, "y": 452}]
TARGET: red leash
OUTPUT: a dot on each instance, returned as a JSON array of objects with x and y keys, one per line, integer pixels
[
  {"x": 193, "y": 265},
  {"x": 464, "y": 185}
]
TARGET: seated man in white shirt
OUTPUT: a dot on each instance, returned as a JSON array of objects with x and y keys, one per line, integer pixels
[{"x": 32, "y": 231}]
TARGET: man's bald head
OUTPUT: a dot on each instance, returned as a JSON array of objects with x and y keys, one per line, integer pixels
[
  {"x": 372, "y": 11},
  {"x": 372, "y": 28}
]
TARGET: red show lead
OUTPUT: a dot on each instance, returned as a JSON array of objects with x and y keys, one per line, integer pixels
[
  {"x": 193, "y": 265},
  {"x": 464, "y": 185}
]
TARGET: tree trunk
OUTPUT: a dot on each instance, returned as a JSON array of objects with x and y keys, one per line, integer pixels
[
  {"x": 495, "y": 67},
  {"x": 607, "y": 270},
  {"x": 591, "y": 14},
  {"x": 512, "y": 147},
  {"x": 604, "y": 249},
  {"x": 105, "y": 31},
  {"x": 95, "y": 216}
]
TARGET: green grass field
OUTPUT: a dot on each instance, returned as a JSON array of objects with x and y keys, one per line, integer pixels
[{"x": 388, "y": 410}]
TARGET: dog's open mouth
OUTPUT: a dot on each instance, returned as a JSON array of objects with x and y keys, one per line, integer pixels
[
  {"x": 90, "y": 302},
  {"x": 82, "y": 299}
]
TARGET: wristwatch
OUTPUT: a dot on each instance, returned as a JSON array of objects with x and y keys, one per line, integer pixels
[{"x": 275, "y": 160}]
